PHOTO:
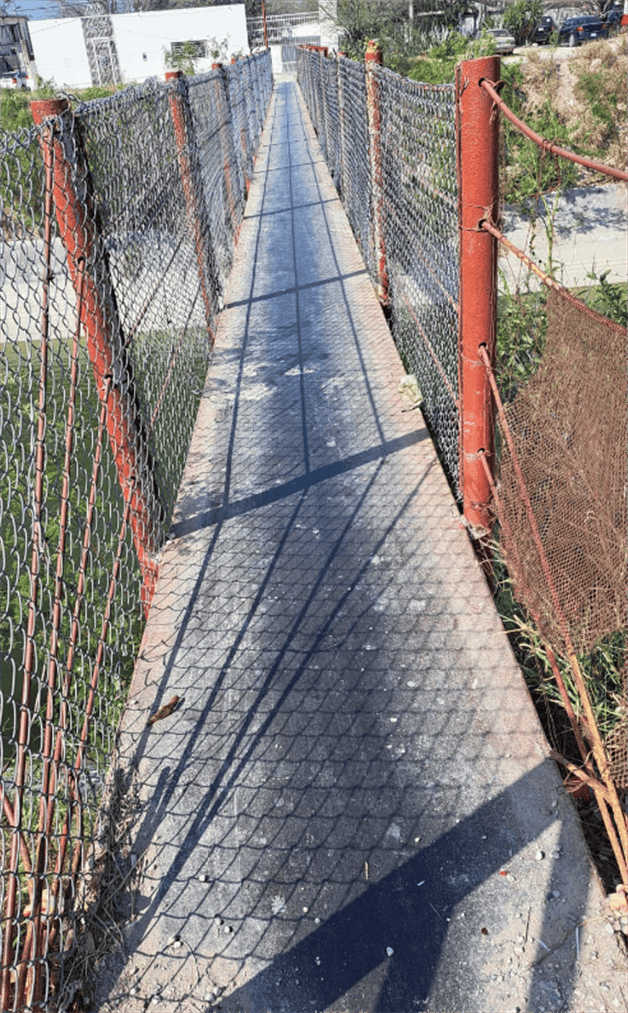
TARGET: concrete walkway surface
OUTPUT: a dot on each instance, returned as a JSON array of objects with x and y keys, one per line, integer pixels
[
  {"x": 351, "y": 808},
  {"x": 585, "y": 230}
]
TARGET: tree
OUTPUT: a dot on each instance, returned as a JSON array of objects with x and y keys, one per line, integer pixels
[
  {"x": 522, "y": 17},
  {"x": 361, "y": 20}
]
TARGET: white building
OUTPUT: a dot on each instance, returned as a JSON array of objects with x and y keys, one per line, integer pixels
[{"x": 125, "y": 48}]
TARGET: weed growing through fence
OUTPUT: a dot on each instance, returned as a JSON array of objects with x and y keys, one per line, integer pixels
[{"x": 521, "y": 333}]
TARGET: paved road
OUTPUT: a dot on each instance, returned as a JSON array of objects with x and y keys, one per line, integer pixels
[
  {"x": 352, "y": 807},
  {"x": 588, "y": 227}
]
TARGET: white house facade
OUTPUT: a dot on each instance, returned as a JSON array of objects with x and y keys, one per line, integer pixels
[{"x": 126, "y": 48}]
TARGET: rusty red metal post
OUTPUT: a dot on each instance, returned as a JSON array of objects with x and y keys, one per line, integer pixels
[
  {"x": 193, "y": 200},
  {"x": 374, "y": 58},
  {"x": 342, "y": 129},
  {"x": 478, "y": 178},
  {"x": 226, "y": 145},
  {"x": 75, "y": 211},
  {"x": 264, "y": 24}
]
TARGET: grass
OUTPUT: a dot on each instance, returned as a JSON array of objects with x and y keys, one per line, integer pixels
[{"x": 18, "y": 392}]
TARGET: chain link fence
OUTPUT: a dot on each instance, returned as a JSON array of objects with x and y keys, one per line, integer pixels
[
  {"x": 390, "y": 144},
  {"x": 118, "y": 223},
  {"x": 414, "y": 174}
]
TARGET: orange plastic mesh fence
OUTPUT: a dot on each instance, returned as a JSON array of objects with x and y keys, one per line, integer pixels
[{"x": 569, "y": 426}]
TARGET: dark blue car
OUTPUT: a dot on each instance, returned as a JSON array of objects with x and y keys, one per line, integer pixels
[
  {"x": 543, "y": 31},
  {"x": 573, "y": 31}
]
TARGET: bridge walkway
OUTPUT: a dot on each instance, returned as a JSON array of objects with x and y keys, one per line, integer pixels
[{"x": 346, "y": 810}]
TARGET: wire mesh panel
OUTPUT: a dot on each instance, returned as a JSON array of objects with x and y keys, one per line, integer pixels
[
  {"x": 165, "y": 301},
  {"x": 332, "y": 121},
  {"x": 356, "y": 173},
  {"x": 219, "y": 165},
  {"x": 117, "y": 232},
  {"x": 239, "y": 118},
  {"x": 398, "y": 182},
  {"x": 420, "y": 231}
]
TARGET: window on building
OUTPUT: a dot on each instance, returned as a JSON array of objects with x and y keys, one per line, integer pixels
[{"x": 197, "y": 49}]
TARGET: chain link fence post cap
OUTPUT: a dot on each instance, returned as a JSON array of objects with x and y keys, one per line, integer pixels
[{"x": 44, "y": 109}]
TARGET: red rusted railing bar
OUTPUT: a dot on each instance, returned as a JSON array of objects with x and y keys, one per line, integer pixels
[
  {"x": 550, "y": 282},
  {"x": 374, "y": 58},
  {"x": 603, "y": 793},
  {"x": 573, "y": 720},
  {"x": 536, "y": 535},
  {"x": 25, "y": 855},
  {"x": 554, "y": 149},
  {"x": 477, "y": 131},
  {"x": 226, "y": 141},
  {"x": 583, "y": 776},
  {"x": 204, "y": 254},
  {"x": 45, "y": 822},
  {"x": 545, "y": 278},
  {"x": 96, "y": 669},
  {"x": 604, "y": 800},
  {"x": 77, "y": 223},
  {"x": 74, "y": 801},
  {"x": 74, "y": 630},
  {"x": 37, "y": 546},
  {"x": 33, "y": 949}
]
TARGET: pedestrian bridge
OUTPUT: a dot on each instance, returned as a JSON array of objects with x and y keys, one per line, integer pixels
[
  {"x": 326, "y": 788},
  {"x": 345, "y": 811}
]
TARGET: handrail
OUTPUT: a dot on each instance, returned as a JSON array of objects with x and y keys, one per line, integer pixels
[{"x": 491, "y": 88}]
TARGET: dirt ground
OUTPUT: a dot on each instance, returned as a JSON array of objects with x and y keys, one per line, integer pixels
[{"x": 553, "y": 78}]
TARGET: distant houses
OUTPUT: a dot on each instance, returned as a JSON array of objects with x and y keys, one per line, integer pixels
[{"x": 16, "y": 48}]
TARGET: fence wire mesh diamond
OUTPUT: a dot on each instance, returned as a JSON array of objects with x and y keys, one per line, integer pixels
[{"x": 118, "y": 222}]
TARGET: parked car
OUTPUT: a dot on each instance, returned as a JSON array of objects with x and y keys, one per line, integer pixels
[
  {"x": 14, "y": 79},
  {"x": 574, "y": 31},
  {"x": 543, "y": 30},
  {"x": 504, "y": 42}
]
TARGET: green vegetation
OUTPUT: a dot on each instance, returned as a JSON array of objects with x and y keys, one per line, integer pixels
[
  {"x": 521, "y": 18},
  {"x": 438, "y": 66},
  {"x": 18, "y": 390},
  {"x": 521, "y": 332}
]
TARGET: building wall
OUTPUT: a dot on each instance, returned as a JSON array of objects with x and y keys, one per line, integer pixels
[
  {"x": 60, "y": 52},
  {"x": 140, "y": 39}
]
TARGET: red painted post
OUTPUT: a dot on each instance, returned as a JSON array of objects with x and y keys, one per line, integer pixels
[
  {"x": 344, "y": 139},
  {"x": 77, "y": 221},
  {"x": 193, "y": 200},
  {"x": 373, "y": 58},
  {"x": 243, "y": 139},
  {"x": 478, "y": 180},
  {"x": 226, "y": 144},
  {"x": 264, "y": 23}
]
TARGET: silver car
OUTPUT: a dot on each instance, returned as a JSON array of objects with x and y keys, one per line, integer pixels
[{"x": 504, "y": 42}]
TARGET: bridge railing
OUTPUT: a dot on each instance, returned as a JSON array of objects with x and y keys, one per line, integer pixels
[
  {"x": 541, "y": 463},
  {"x": 119, "y": 220},
  {"x": 390, "y": 144}
]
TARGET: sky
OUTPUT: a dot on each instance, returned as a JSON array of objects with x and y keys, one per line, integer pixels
[{"x": 32, "y": 8}]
